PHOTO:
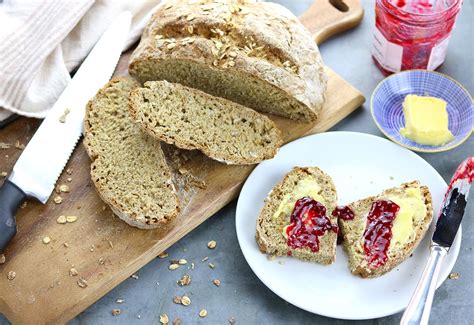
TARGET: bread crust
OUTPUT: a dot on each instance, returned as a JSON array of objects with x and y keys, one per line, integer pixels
[
  {"x": 360, "y": 267},
  {"x": 287, "y": 58}
]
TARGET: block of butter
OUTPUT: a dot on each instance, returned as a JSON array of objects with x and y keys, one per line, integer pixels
[{"x": 426, "y": 120}]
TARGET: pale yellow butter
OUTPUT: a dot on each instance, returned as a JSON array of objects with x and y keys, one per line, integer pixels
[{"x": 426, "y": 120}]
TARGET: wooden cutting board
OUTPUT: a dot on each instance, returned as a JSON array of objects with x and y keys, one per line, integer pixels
[{"x": 104, "y": 250}]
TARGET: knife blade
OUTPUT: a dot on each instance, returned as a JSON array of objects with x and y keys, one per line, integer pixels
[
  {"x": 42, "y": 161},
  {"x": 449, "y": 220}
]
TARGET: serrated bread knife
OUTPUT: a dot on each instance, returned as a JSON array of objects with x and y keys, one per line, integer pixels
[
  {"x": 40, "y": 164},
  {"x": 452, "y": 211}
]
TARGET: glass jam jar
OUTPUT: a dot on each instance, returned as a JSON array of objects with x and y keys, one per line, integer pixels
[{"x": 412, "y": 34}]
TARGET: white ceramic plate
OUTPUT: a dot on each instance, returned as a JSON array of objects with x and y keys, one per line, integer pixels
[{"x": 360, "y": 165}]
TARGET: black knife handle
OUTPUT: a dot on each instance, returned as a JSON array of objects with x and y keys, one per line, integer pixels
[{"x": 11, "y": 197}]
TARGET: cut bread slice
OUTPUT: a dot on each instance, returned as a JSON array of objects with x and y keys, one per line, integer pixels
[
  {"x": 128, "y": 167},
  {"x": 408, "y": 227},
  {"x": 192, "y": 119},
  {"x": 272, "y": 233}
]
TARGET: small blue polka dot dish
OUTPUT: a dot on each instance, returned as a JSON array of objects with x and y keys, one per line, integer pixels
[{"x": 387, "y": 110}]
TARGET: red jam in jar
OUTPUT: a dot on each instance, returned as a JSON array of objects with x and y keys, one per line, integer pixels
[
  {"x": 412, "y": 34},
  {"x": 308, "y": 222},
  {"x": 378, "y": 233}
]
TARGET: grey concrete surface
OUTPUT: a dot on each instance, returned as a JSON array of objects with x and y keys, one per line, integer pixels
[{"x": 241, "y": 294}]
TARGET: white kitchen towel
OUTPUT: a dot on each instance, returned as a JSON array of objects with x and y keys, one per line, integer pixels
[{"x": 41, "y": 42}]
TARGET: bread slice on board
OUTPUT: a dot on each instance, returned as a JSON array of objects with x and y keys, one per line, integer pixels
[
  {"x": 191, "y": 119},
  {"x": 128, "y": 167},
  {"x": 254, "y": 53},
  {"x": 409, "y": 226},
  {"x": 272, "y": 235}
]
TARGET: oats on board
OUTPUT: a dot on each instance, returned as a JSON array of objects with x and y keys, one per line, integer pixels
[
  {"x": 64, "y": 188},
  {"x": 185, "y": 280},
  {"x": 4, "y": 174},
  {"x": 11, "y": 275},
  {"x": 212, "y": 244},
  {"x": 190, "y": 17},
  {"x": 81, "y": 282},
  {"x": 182, "y": 261},
  {"x": 134, "y": 276},
  {"x": 211, "y": 265},
  {"x": 202, "y": 313},
  {"x": 2, "y": 259},
  {"x": 46, "y": 240},
  {"x": 71, "y": 219},
  {"x": 116, "y": 312},
  {"x": 177, "y": 299},
  {"x": 205, "y": 259},
  {"x": 190, "y": 29},
  {"x": 171, "y": 46},
  {"x": 120, "y": 301},
  {"x": 58, "y": 199},
  {"x": 185, "y": 301},
  {"x": 173, "y": 266},
  {"x": 177, "y": 321},
  {"x": 62, "y": 118},
  {"x": 163, "y": 255},
  {"x": 454, "y": 276},
  {"x": 61, "y": 219},
  {"x": 216, "y": 282},
  {"x": 73, "y": 272},
  {"x": 164, "y": 319}
]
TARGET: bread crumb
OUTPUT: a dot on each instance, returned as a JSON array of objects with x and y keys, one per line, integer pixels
[
  {"x": 177, "y": 321},
  {"x": 69, "y": 171},
  {"x": 69, "y": 179},
  {"x": 46, "y": 240},
  {"x": 216, "y": 282},
  {"x": 58, "y": 199},
  {"x": 192, "y": 266},
  {"x": 120, "y": 301},
  {"x": 111, "y": 244},
  {"x": 61, "y": 219},
  {"x": 232, "y": 320},
  {"x": 71, "y": 219},
  {"x": 4, "y": 174},
  {"x": 64, "y": 188},
  {"x": 182, "y": 261},
  {"x": 73, "y": 272},
  {"x": 164, "y": 319},
  {"x": 134, "y": 276},
  {"x": 62, "y": 118},
  {"x": 116, "y": 312},
  {"x": 11, "y": 275},
  {"x": 177, "y": 299},
  {"x": 185, "y": 280},
  {"x": 185, "y": 301},
  {"x": 212, "y": 244},
  {"x": 66, "y": 245},
  {"x": 4, "y": 145},
  {"x": 163, "y": 255},
  {"x": 81, "y": 282},
  {"x": 454, "y": 276},
  {"x": 173, "y": 266},
  {"x": 19, "y": 146},
  {"x": 204, "y": 259},
  {"x": 212, "y": 266},
  {"x": 202, "y": 313},
  {"x": 2, "y": 259},
  {"x": 101, "y": 261}
]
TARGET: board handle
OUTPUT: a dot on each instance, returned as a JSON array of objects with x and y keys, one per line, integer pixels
[{"x": 326, "y": 18}]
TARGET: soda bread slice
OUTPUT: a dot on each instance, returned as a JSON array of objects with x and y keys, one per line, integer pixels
[
  {"x": 254, "y": 53},
  {"x": 409, "y": 226},
  {"x": 128, "y": 167},
  {"x": 192, "y": 119},
  {"x": 271, "y": 233}
]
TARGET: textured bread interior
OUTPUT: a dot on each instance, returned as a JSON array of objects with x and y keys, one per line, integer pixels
[
  {"x": 128, "y": 169},
  {"x": 233, "y": 84},
  {"x": 353, "y": 231},
  {"x": 191, "y": 119},
  {"x": 269, "y": 234}
]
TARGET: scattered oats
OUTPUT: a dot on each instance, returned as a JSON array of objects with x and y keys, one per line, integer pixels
[
  {"x": 2, "y": 259},
  {"x": 182, "y": 261},
  {"x": 171, "y": 46},
  {"x": 4, "y": 145},
  {"x": 111, "y": 244},
  {"x": 92, "y": 248},
  {"x": 203, "y": 313},
  {"x": 61, "y": 219},
  {"x": 69, "y": 171},
  {"x": 62, "y": 118},
  {"x": 215, "y": 63},
  {"x": 177, "y": 300},
  {"x": 185, "y": 301},
  {"x": 212, "y": 266},
  {"x": 205, "y": 259},
  {"x": 231, "y": 63},
  {"x": 232, "y": 320},
  {"x": 81, "y": 282},
  {"x": 58, "y": 199},
  {"x": 185, "y": 280},
  {"x": 134, "y": 276},
  {"x": 66, "y": 245},
  {"x": 190, "y": 29},
  {"x": 217, "y": 282},
  {"x": 101, "y": 261},
  {"x": 11, "y": 275},
  {"x": 192, "y": 266},
  {"x": 120, "y": 301},
  {"x": 212, "y": 244},
  {"x": 163, "y": 255},
  {"x": 19, "y": 146},
  {"x": 64, "y": 188},
  {"x": 116, "y": 312},
  {"x": 177, "y": 321},
  {"x": 73, "y": 272},
  {"x": 191, "y": 17},
  {"x": 71, "y": 219},
  {"x": 454, "y": 276},
  {"x": 69, "y": 179},
  {"x": 46, "y": 240},
  {"x": 164, "y": 319},
  {"x": 173, "y": 266},
  {"x": 4, "y": 174},
  {"x": 233, "y": 54}
]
